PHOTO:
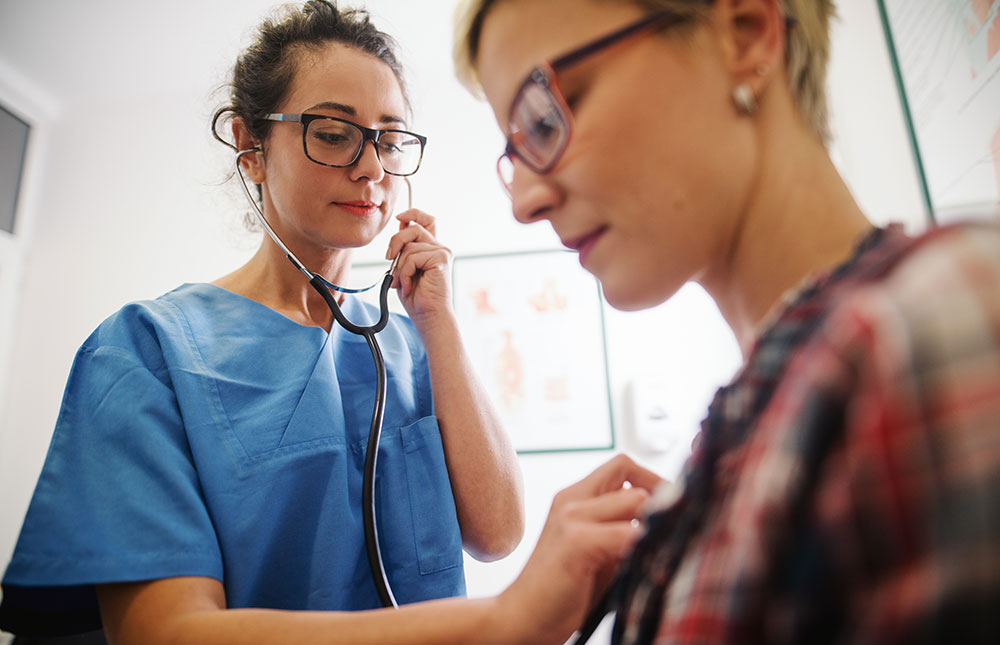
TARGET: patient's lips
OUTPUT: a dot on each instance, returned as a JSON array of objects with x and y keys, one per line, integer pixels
[{"x": 584, "y": 243}]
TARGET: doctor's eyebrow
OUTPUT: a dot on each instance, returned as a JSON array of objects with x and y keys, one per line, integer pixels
[{"x": 350, "y": 111}]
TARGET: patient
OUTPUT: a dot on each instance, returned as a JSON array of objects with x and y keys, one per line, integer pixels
[{"x": 845, "y": 486}]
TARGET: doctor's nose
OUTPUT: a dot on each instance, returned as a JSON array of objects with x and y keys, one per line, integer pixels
[{"x": 368, "y": 164}]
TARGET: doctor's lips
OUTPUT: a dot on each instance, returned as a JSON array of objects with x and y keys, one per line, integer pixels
[{"x": 360, "y": 208}]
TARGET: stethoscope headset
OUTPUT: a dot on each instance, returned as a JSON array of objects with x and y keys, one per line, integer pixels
[{"x": 324, "y": 287}]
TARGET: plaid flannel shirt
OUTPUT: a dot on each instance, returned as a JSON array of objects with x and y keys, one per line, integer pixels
[{"x": 845, "y": 487}]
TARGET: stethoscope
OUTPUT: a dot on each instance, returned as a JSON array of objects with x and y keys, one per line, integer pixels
[{"x": 323, "y": 287}]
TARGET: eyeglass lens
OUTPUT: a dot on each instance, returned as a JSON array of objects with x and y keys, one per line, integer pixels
[
  {"x": 336, "y": 143},
  {"x": 539, "y": 126}
]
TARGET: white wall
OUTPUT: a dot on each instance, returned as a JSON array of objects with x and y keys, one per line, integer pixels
[
  {"x": 130, "y": 204},
  {"x": 26, "y": 101}
]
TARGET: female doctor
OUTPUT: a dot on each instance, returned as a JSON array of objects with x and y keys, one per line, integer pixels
[{"x": 208, "y": 454}]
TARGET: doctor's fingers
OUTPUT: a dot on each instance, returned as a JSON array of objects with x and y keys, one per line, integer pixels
[
  {"x": 590, "y": 551},
  {"x": 622, "y": 505},
  {"x": 414, "y": 262},
  {"x": 602, "y": 528},
  {"x": 414, "y": 216},
  {"x": 610, "y": 476},
  {"x": 603, "y": 547},
  {"x": 409, "y": 235},
  {"x": 420, "y": 255}
]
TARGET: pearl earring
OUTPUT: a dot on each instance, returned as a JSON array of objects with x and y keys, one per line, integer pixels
[{"x": 744, "y": 99}]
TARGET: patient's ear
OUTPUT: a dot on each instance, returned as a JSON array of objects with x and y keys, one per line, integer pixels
[
  {"x": 752, "y": 35},
  {"x": 252, "y": 164}
]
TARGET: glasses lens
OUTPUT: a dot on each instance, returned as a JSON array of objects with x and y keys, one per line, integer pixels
[
  {"x": 399, "y": 152},
  {"x": 334, "y": 143},
  {"x": 539, "y": 127}
]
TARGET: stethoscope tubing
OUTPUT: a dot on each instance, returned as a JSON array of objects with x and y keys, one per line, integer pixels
[
  {"x": 322, "y": 286},
  {"x": 369, "y": 519}
]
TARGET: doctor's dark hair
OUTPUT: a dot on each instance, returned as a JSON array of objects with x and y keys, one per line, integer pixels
[{"x": 264, "y": 71}]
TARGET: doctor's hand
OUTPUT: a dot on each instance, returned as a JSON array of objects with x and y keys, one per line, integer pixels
[
  {"x": 590, "y": 527},
  {"x": 423, "y": 273}
]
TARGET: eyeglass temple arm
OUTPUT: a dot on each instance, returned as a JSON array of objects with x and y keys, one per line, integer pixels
[
  {"x": 293, "y": 118},
  {"x": 577, "y": 54}
]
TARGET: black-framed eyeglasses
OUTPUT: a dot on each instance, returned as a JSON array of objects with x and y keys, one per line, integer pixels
[
  {"x": 330, "y": 141},
  {"x": 540, "y": 122}
]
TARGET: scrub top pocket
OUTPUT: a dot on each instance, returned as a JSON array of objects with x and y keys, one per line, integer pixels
[{"x": 435, "y": 521}]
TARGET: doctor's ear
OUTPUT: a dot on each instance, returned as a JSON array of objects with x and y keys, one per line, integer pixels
[{"x": 252, "y": 164}]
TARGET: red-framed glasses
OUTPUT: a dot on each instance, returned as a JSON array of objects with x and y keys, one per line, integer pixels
[{"x": 540, "y": 121}]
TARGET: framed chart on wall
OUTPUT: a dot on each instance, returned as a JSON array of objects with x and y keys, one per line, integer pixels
[
  {"x": 533, "y": 325},
  {"x": 946, "y": 57}
]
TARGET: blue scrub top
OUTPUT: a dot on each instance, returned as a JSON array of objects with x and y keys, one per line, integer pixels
[{"x": 204, "y": 434}]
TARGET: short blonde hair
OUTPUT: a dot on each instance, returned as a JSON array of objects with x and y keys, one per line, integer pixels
[{"x": 806, "y": 55}]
